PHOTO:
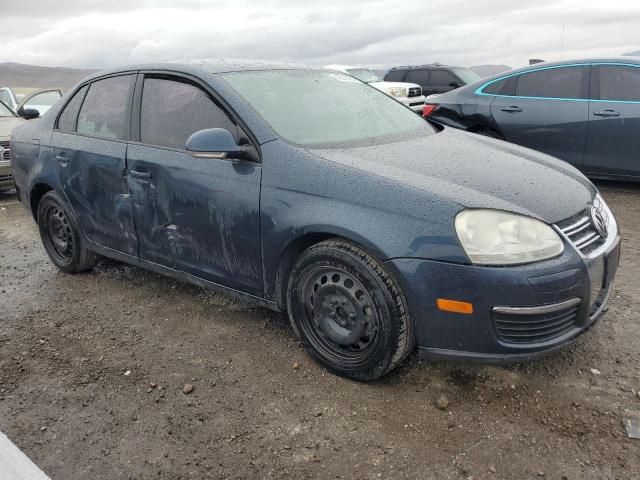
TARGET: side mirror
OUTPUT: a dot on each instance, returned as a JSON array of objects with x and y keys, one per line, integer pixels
[
  {"x": 218, "y": 143},
  {"x": 454, "y": 84},
  {"x": 28, "y": 113}
]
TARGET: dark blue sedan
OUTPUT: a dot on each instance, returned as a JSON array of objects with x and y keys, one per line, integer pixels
[
  {"x": 586, "y": 112},
  {"x": 310, "y": 192}
]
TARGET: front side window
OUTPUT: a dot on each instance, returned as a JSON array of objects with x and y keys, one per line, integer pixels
[
  {"x": 5, "y": 111},
  {"x": 327, "y": 109},
  {"x": 442, "y": 78},
  {"x": 173, "y": 110},
  {"x": 421, "y": 77},
  {"x": 104, "y": 109},
  {"x": 69, "y": 115},
  {"x": 563, "y": 83},
  {"x": 618, "y": 82}
]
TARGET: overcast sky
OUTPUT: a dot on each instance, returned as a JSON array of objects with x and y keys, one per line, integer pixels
[{"x": 102, "y": 33}]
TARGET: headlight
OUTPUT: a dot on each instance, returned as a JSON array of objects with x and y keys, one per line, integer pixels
[
  {"x": 494, "y": 237},
  {"x": 397, "y": 91}
]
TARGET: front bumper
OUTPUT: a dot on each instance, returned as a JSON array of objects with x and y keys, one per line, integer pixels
[
  {"x": 6, "y": 175},
  {"x": 508, "y": 323},
  {"x": 414, "y": 103}
]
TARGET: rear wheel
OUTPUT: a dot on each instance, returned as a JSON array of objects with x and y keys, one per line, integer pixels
[
  {"x": 349, "y": 312},
  {"x": 60, "y": 236}
]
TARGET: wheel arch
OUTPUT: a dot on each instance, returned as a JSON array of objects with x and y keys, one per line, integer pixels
[{"x": 36, "y": 193}]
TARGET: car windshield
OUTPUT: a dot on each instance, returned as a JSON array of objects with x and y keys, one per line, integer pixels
[
  {"x": 5, "y": 111},
  {"x": 467, "y": 75},
  {"x": 364, "y": 75},
  {"x": 323, "y": 108}
]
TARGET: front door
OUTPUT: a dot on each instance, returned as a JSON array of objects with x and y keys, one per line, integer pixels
[
  {"x": 89, "y": 152},
  {"x": 197, "y": 215},
  {"x": 613, "y": 145},
  {"x": 547, "y": 110}
]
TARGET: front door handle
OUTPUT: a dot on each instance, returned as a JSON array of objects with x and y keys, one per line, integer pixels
[
  {"x": 607, "y": 113},
  {"x": 139, "y": 174},
  {"x": 512, "y": 109}
]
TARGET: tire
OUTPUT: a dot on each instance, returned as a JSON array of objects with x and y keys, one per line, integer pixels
[
  {"x": 350, "y": 314},
  {"x": 60, "y": 236}
]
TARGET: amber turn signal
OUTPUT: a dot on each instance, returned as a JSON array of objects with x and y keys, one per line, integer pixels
[{"x": 455, "y": 306}]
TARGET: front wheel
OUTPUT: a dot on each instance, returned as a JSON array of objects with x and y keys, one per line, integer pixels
[
  {"x": 60, "y": 236},
  {"x": 349, "y": 312}
]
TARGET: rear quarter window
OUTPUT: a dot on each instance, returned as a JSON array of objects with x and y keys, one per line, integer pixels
[{"x": 69, "y": 115}]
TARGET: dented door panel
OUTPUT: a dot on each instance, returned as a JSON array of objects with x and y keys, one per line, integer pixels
[{"x": 198, "y": 215}]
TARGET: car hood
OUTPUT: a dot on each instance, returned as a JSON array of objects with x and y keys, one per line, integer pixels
[
  {"x": 387, "y": 85},
  {"x": 476, "y": 172},
  {"x": 9, "y": 123}
]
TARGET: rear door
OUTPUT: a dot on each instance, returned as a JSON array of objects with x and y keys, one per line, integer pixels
[
  {"x": 613, "y": 145},
  {"x": 197, "y": 215},
  {"x": 89, "y": 146},
  {"x": 547, "y": 110}
]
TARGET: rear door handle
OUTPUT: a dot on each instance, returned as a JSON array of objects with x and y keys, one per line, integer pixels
[
  {"x": 512, "y": 109},
  {"x": 139, "y": 174},
  {"x": 62, "y": 159},
  {"x": 607, "y": 113}
]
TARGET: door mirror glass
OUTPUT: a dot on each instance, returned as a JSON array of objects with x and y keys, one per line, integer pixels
[{"x": 213, "y": 143}]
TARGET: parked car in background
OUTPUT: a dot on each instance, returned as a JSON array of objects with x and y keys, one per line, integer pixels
[
  {"x": 409, "y": 94},
  {"x": 374, "y": 229},
  {"x": 21, "y": 99},
  {"x": 586, "y": 112},
  {"x": 8, "y": 120},
  {"x": 433, "y": 78}
]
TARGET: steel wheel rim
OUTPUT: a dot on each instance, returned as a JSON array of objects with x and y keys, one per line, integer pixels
[
  {"x": 341, "y": 320},
  {"x": 59, "y": 234}
]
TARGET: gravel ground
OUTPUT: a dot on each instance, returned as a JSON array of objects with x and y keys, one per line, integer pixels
[{"x": 93, "y": 369}]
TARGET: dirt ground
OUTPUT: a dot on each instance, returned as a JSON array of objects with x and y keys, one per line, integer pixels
[{"x": 92, "y": 370}]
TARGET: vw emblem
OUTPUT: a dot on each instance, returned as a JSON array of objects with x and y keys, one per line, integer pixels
[{"x": 598, "y": 222}]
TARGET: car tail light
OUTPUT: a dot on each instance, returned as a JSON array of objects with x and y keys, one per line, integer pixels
[{"x": 428, "y": 109}]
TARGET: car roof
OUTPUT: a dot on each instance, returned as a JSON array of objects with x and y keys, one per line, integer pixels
[
  {"x": 208, "y": 66},
  {"x": 426, "y": 65},
  {"x": 580, "y": 61}
]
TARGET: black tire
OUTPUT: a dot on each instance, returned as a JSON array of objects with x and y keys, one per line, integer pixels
[
  {"x": 349, "y": 312},
  {"x": 60, "y": 236}
]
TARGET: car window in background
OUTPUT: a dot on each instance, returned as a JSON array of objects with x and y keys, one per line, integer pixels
[
  {"x": 421, "y": 77},
  {"x": 394, "y": 76},
  {"x": 564, "y": 82},
  {"x": 467, "y": 75},
  {"x": 442, "y": 78},
  {"x": 5, "y": 98},
  {"x": 618, "y": 82},
  {"x": 328, "y": 109},
  {"x": 43, "y": 101},
  {"x": 69, "y": 115},
  {"x": 172, "y": 111},
  {"x": 103, "y": 110},
  {"x": 364, "y": 75},
  {"x": 5, "y": 111}
]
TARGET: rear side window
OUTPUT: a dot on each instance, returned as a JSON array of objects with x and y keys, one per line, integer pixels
[
  {"x": 618, "y": 82},
  {"x": 421, "y": 77},
  {"x": 69, "y": 115},
  {"x": 394, "y": 76},
  {"x": 565, "y": 82},
  {"x": 506, "y": 86},
  {"x": 104, "y": 109},
  {"x": 173, "y": 110},
  {"x": 442, "y": 78}
]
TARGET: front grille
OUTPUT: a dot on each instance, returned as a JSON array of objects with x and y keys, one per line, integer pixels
[
  {"x": 415, "y": 92},
  {"x": 535, "y": 324},
  {"x": 582, "y": 232},
  {"x": 6, "y": 151}
]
